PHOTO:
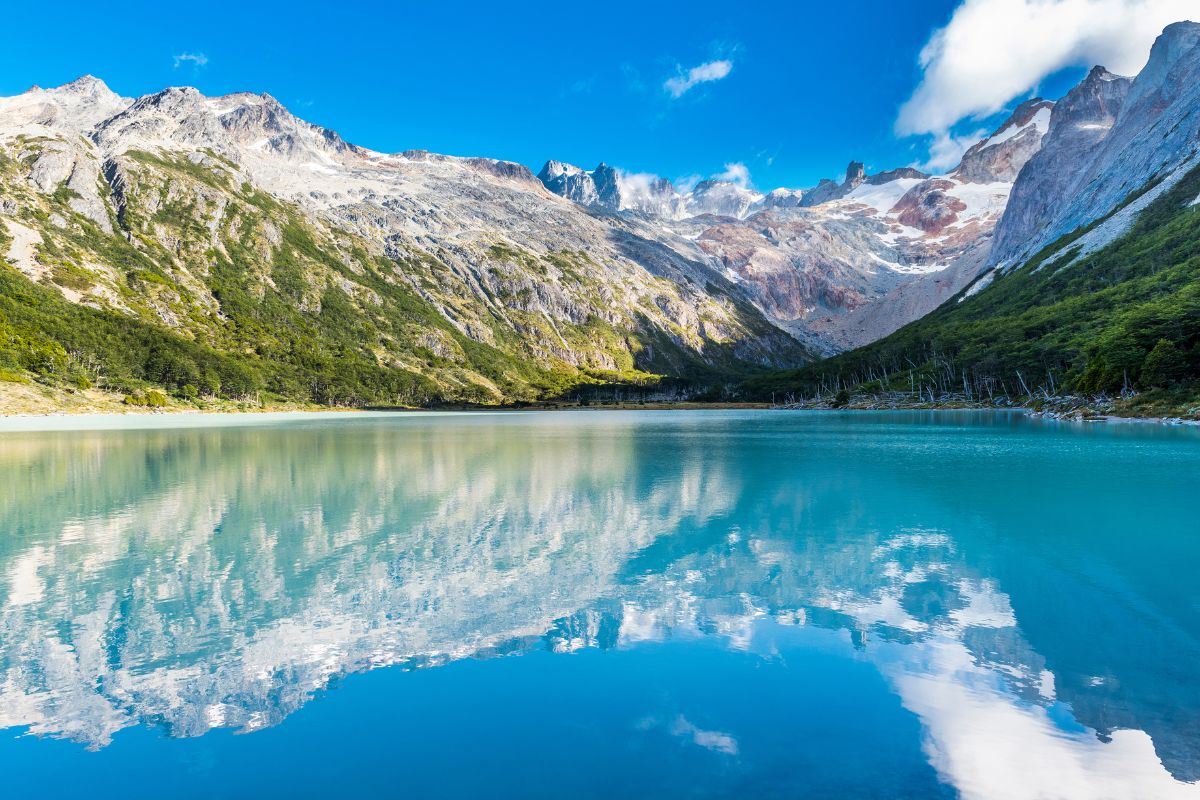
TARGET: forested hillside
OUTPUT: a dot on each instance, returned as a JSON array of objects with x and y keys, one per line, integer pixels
[{"x": 1125, "y": 318}]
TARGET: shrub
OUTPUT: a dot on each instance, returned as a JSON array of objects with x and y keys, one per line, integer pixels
[
  {"x": 151, "y": 398},
  {"x": 1164, "y": 366}
]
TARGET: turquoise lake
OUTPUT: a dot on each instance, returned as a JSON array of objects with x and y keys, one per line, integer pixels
[{"x": 599, "y": 604}]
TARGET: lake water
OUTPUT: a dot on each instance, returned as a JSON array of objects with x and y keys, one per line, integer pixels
[{"x": 599, "y": 604}]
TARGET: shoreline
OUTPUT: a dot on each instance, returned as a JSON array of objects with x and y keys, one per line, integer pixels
[
  {"x": 164, "y": 419},
  {"x": 1067, "y": 408},
  {"x": 30, "y": 406}
]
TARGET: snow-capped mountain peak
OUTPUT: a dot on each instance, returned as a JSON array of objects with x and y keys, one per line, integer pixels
[
  {"x": 78, "y": 105},
  {"x": 846, "y": 261},
  {"x": 1000, "y": 156}
]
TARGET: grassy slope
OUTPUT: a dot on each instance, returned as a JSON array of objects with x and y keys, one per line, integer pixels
[{"x": 1125, "y": 317}]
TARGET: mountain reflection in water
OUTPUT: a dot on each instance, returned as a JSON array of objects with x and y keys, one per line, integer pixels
[{"x": 1000, "y": 576}]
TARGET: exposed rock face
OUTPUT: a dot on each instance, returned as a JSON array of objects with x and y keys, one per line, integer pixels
[
  {"x": 1079, "y": 123},
  {"x": 816, "y": 260},
  {"x": 1000, "y": 157},
  {"x": 607, "y": 189},
  {"x": 76, "y": 106},
  {"x": 901, "y": 173},
  {"x": 502, "y": 260},
  {"x": 827, "y": 190},
  {"x": 856, "y": 174},
  {"x": 570, "y": 182},
  {"x": 929, "y": 206},
  {"x": 1108, "y": 139}
]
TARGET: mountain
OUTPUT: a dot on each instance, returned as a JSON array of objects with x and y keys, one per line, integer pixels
[
  {"x": 1001, "y": 156},
  {"x": 1093, "y": 284},
  {"x": 1109, "y": 138},
  {"x": 845, "y": 262},
  {"x": 222, "y": 246}
]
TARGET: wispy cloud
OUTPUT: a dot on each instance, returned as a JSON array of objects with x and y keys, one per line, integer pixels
[
  {"x": 195, "y": 59},
  {"x": 736, "y": 173},
  {"x": 717, "y": 741},
  {"x": 946, "y": 150},
  {"x": 581, "y": 85},
  {"x": 683, "y": 728},
  {"x": 994, "y": 51},
  {"x": 644, "y": 185},
  {"x": 684, "y": 82}
]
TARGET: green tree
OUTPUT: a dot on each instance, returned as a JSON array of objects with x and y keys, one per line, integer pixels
[{"x": 1164, "y": 365}]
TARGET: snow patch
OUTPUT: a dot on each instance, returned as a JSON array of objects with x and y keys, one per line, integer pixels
[
  {"x": 882, "y": 197},
  {"x": 979, "y": 285},
  {"x": 1040, "y": 121},
  {"x": 896, "y": 232},
  {"x": 231, "y": 102},
  {"x": 981, "y": 198}
]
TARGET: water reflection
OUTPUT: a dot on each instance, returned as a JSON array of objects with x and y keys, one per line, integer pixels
[{"x": 190, "y": 580}]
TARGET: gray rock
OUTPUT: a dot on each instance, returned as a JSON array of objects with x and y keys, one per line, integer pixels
[{"x": 1108, "y": 140}]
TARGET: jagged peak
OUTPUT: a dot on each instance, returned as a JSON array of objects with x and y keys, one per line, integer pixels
[
  {"x": 900, "y": 173},
  {"x": 171, "y": 94},
  {"x": 1179, "y": 43},
  {"x": 1026, "y": 110},
  {"x": 509, "y": 170},
  {"x": 716, "y": 184},
  {"x": 76, "y": 106},
  {"x": 1023, "y": 115},
  {"x": 1101, "y": 73},
  {"x": 1000, "y": 156},
  {"x": 1184, "y": 28},
  {"x": 86, "y": 84}
]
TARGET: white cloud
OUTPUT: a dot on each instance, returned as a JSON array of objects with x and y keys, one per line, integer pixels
[
  {"x": 993, "y": 51},
  {"x": 736, "y": 173},
  {"x": 710, "y": 71},
  {"x": 717, "y": 741},
  {"x": 640, "y": 187},
  {"x": 946, "y": 150},
  {"x": 195, "y": 59},
  {"x": 686, "y": 183},
  {"x": 637, "y": 186}
]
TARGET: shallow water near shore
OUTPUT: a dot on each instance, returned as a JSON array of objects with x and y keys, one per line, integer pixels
[{"x": 588, "y": 604}]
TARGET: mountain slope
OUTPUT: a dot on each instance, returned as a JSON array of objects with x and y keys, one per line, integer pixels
[
  {"x": 1110, "y": 307},
  {"x": 1107, "y": 138},
  {"x": 221, "y": 246},
  {"x": 1126, "y": 316},
  {"x": 842, "y": 263}
]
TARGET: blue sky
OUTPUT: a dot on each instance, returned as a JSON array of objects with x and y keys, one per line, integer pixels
[{"x": 791, "y": 90}]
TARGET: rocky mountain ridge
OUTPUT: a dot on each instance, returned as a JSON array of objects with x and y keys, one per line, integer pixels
[
  {"x": 463, "y": 274},
  {"x": 1113, "y": 141},
  {"x": 239, "y": 231},
  {"x": 1092, "y": 289},
  {"x": 845, "y": 262}
]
